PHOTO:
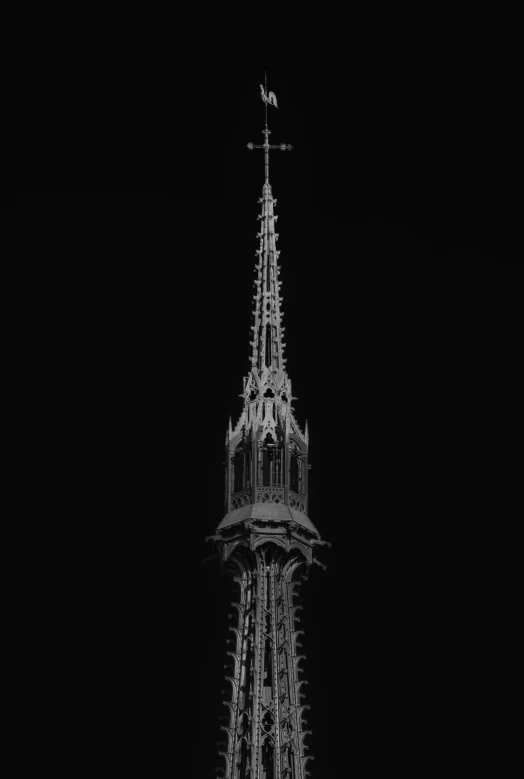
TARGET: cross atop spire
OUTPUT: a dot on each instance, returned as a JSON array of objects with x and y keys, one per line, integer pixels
[{"x": 268, "y": 100}]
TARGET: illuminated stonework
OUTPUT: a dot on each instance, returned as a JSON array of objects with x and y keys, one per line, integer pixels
[{"x": 263, "y": 540}]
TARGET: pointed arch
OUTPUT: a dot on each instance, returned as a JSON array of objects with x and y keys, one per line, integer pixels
[
  {"x": 270, "y": 462},
  {"x": 268, "y": 758},
  {"x": 243, "y": 756},
  {"x": 296, "y": 466}
]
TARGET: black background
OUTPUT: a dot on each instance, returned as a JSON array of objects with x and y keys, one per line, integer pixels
[{"x": 127, "y": 295}]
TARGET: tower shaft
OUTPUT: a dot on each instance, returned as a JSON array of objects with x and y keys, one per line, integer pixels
[{"x": 265, "y": 735}]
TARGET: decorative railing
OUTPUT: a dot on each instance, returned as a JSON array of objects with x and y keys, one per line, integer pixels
[
  {"x": 297, "y": 500},
  {"x": 240, "y": 498},
  {"x": 269, "y": 494}
]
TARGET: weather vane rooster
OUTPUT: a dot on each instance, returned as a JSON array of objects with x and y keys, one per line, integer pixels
[{"x": 269, "y": 99}]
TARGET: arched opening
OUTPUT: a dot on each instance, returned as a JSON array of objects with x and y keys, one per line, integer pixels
[
  {"x": 296, "y": 467},
  {"x": 268, "y": 759},
  {"x": 290, "y": 763},
  {"x": 241, "y": 468},
  {"x": 268, "y": 655},
  {"x": 268, "y": 345},
  {"x": 271, "y": 463},
  {"x": 243, "y": 757}
]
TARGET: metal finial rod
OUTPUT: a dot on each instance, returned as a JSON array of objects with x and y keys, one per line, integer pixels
[
  {"x": 265, "y": 92},
  {"x": 266, "y": 136}
]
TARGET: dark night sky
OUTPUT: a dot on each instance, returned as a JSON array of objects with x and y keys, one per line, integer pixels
[{"x": 128, "y": 291}]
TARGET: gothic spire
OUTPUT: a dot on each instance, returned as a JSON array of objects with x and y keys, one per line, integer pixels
[
  {"x": 267, "y": 435},
  {"x": 267, "y": 345},
  {"x": 263, "y": 539}
]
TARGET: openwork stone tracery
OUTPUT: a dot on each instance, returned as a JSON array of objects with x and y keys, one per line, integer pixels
[{"x": 265, "y": 730}]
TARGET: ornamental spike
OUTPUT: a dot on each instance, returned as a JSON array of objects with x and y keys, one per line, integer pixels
[{"x": 267, "y": 346}]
